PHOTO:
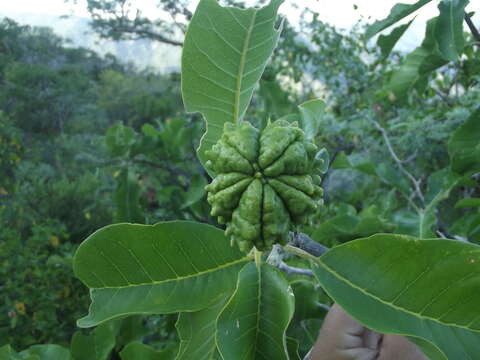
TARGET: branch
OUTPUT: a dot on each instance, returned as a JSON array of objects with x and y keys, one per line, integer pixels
[
  {"x": 416, "y": 183},
  {"x": 290, "y": 270},
  {"x": 143, "y": 33},
  {"x": 323, "y": 306},
  {"x": 451, "y": 237},
  {"x": 471, "y": 26},
  {"x": 304, "y": 242}
]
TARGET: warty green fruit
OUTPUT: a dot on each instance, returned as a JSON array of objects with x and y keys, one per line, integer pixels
[{"x": 266, "y": 182}]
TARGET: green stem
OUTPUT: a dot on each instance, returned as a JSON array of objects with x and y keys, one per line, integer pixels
[
  {"x": 299, "y": 252},
  {"x": 258, "y": 258}
]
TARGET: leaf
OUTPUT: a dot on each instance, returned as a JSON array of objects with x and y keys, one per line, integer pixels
[
  {"x": 292, "y": 347},
  {"x": 253, "y": 324},
  {"x": 398, "y": 12},
  {"x": 307, "y": 300},
  {"x": 7, "y": 353},
  {"x": 427, "y": 216},
  {"x": 196, "y": 190},
  {"x": 129, "y": 329},
  {"x": 343, "y": 162},
  {"x": 449, "y": 29},
  {"x": 119, "y": 139},
  {"x": 387, "y": 42},
  {"x": 426, "y": 289},
  {"x": 464, "y": 146},
  {"x": 418, "y": 65},
  {"x": 276, "y": 99},
  {"x": 155, "y": 269},
  {"x": 224, "y": 55},
  {"x": 392, "y": 176},
  {"x": 127, "y": 199},
  {"x": 45, "y": 352},
  {"x": 95, "y": 346},
  {"x": 138, "y": 351},
  {"x": 311, "y": 113},
  {"x": 325, "y": 157},
  {"x": 466, "y": 203},
  {"x": 197, "y": 330}
]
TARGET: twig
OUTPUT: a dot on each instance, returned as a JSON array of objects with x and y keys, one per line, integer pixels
[
  {"x": 416, "y": 183},
  {"x": 441, "y": 234},
  {"x": 144, "y": 33},
  {"x": 451, "y": 237},
  {"x": 290, "y": 270},
  {"x": 410, "y": 158},
  {"x": 473, "y": 29},
  {"x": 323, "y": 306},
  {"x": 304, "y": 242},
  {"x": 308, "y": 356},
  {"x": 275, "y": 258}
]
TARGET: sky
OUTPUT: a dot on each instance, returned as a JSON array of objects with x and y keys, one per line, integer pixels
[{"x": 340, "y": 13}]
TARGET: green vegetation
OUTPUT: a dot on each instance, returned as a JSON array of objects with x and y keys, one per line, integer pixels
[{"x": 87, "y": 141}]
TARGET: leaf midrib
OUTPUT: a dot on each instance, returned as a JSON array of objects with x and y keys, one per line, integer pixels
[
  {"x": 200, "y": 273},
  {"x": 241, "y": 69}
]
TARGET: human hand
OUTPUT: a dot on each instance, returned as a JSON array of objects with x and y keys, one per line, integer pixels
[{"x": 343, "y": 338}]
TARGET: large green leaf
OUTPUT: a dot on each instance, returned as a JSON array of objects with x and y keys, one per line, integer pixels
[
  {"x": 196, "y": 331},
  {"x": 464, "y": 146},
  {"x": 224, "y": 55},
  {"x": 398, "y": 12},
  {"x": 387, "y": 42},
  {"x": 449, "y": 29},
  {"x": 164, "y": 268},
  {"x": 138, "y": 351},
  {"x": 418, "y": 65},
  {"x": 426, "y": 289},
  {"x": 95, "y": 346},
  {"x": 253, "y": 324}
]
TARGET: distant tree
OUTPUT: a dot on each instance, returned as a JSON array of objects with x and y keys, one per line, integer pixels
[{"x": 122, "y": 20}]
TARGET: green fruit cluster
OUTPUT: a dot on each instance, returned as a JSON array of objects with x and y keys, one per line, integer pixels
[{"x": 266, "y": 182}]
